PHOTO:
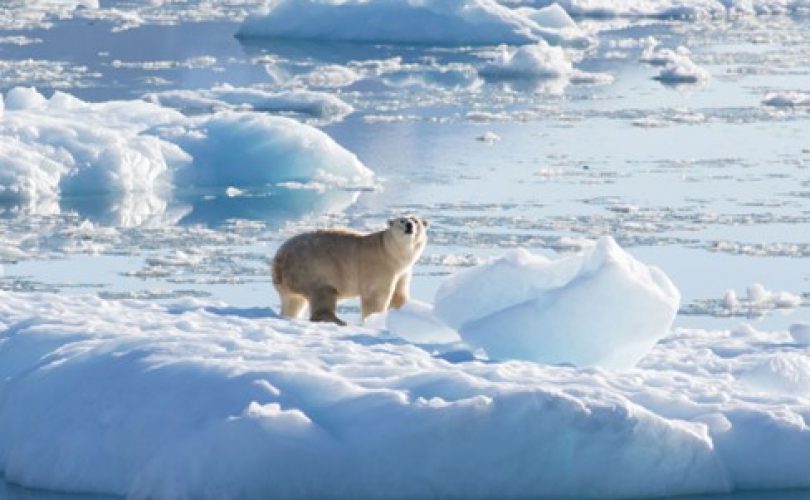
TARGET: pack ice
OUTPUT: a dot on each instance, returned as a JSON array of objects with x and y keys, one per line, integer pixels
[{"x": 602, "y": 307}]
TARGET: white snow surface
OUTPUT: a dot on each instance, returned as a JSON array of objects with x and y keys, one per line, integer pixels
[
  {"x": 65, "y": 146},
  {"x": 446, "y": 22},
  {"x": 204, "y": 401},
  {"x": 601, "y": 307}
]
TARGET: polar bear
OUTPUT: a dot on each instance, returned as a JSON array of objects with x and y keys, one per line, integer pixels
[{"x": 322, "y": 267}]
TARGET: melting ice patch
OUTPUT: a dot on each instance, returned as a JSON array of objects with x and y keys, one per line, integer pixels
[{"x": 602, "y": 307}]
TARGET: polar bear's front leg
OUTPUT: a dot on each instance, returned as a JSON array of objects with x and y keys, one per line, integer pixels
[
  {"x": 375, "y": 301},
  {"x": 401, "y": 291}
]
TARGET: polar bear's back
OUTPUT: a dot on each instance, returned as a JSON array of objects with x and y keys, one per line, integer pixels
[{"x": 327, "y": 256}]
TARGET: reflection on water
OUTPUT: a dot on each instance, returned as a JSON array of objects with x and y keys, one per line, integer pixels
[
  {"x": 209, "y": 207},
  {"x": 13, "y": 492}
]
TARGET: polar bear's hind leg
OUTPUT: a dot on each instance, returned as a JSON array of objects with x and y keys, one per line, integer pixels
[{"x": 322, "y": 304}]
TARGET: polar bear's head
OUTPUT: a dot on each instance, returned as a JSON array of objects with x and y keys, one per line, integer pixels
[{"x": 409, "y": 231}]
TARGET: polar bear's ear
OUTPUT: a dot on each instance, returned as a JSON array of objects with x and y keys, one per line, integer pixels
[
  {"x": 424, "y": 221},
  {"x": 391, "y": 222}
]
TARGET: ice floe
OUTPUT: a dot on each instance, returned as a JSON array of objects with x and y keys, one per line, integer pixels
[
  {"x": 678, "y": 68},
  {"x": 787, "y": 99},
  {"x": 318, "y": 105},
  {"x": 134, "y": 154},
  {"x": 529, "y": 61},
  {"x": 456, "y": 22},
  {"x": 541, "y": 62},
  {"x": 201, "y": 400},
  {"x": 572, "y": 310}
]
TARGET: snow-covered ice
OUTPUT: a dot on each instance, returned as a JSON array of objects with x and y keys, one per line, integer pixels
[
  {"x": 679, "y": 68},
  {"x": 529, "y": 61},
  {"x": 583, "y": 309},
  {"x": 198, "y": 400}
]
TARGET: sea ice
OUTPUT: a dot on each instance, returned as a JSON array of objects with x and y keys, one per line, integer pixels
[
  {"x": 539, "y": 60},
  {"x": 320, "y": 105},
  {"x": 268, "y": 150},
  {"x": 457, "y": 22},
  {"x": 584, "y": 309},
  {"x": 135, "y": 153},
  {"x": 787, "y": 99},
  {"x": 200, "y": 400},
  {"x": 682, "y": 70}
]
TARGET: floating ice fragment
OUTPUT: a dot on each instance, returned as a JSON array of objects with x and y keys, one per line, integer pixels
[
  {"x": 682, "y": 70},
  {"x": 787, "y": 99},
  {"x": 489, "y": 137},
  {"x": 529, "y": 61},
  {"x": 602, "y": 307}
]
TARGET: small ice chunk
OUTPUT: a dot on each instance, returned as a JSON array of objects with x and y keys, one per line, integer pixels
[
  {"x": 787, "y": 99},
  {"x": 232, "y": 192},
  {"x": 540, "y": 60},
  {"x": 489, "y": 137},
  {"x": 730, "y": 300},
  {"x": 682, "y": 70}
]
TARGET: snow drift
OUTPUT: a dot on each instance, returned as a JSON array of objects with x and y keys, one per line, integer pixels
[
  {"x": 599, "y": 308},
  {"x": 445, "y": 22}
]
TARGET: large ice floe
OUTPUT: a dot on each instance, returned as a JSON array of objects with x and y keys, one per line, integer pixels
[
  {"x": 199, "y": 400},
  {"x": 451, "y": 22},
  {"x": 62, "y": 147}
]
